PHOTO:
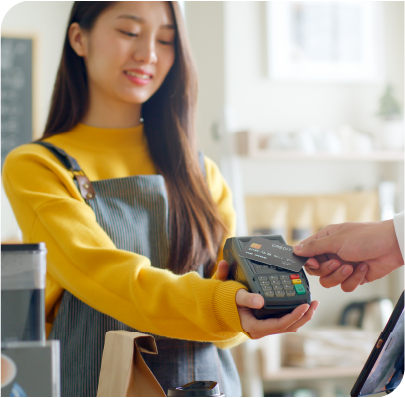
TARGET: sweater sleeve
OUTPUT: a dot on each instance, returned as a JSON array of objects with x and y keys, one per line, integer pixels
[
  {"x": 222, "y": 196},
  {"x": 83, "y": 260}
]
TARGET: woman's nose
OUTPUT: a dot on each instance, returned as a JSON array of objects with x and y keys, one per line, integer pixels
[{"x": 146, "y": 51}]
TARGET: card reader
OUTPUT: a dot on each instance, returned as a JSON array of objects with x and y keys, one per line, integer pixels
[{"x": 282, "y": 290}]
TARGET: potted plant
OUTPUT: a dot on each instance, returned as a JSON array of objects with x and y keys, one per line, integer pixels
[{"x": 391, "y": 131}]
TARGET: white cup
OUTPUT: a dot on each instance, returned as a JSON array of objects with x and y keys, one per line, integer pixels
[{"x": 8, "y": 370}]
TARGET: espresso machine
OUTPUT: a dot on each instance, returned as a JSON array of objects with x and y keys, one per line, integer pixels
[{"x": 23, "y": 272}]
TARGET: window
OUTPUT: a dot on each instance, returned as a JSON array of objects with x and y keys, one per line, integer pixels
[{"x": 324, "y": 40}]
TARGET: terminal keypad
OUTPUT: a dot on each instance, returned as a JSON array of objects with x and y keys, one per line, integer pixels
[{"x": 280, "y": 285}]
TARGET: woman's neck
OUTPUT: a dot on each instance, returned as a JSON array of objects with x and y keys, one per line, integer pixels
[{"x": 107, "y": 112}]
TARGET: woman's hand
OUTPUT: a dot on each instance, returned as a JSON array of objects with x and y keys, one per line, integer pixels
[
  {"x": 259, "y": 328},
  {"x": 222, "y": 272}
]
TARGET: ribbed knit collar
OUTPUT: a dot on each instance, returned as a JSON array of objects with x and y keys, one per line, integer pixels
[{"x": 97, "y": 137}]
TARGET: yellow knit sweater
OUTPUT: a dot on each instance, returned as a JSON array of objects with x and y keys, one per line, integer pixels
[{"x": 82, "y": 258}]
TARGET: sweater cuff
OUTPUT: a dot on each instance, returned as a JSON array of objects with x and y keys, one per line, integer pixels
[
  {"x": 224, "y": 305},
  {"x": 240, "y": 338}
]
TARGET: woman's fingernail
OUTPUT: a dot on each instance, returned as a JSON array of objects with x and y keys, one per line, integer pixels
[
  {"x": 257, "y": 302},
  {"x": 363, "y": 267},
  {"x": 334, "y": 265},
  {"x": 346, "y": 270},
  {"x": 298, "y": 248}
]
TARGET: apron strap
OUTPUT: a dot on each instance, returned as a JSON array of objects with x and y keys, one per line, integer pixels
[
  {"x": 69, "y": 162},
  {"x": 84, "y": 184}
]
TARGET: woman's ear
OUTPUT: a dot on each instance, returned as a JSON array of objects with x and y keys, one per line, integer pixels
[{"x": 77, "y": 39}]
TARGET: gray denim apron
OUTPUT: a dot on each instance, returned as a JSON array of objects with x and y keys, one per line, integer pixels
[{"x": 133, "y": 211}]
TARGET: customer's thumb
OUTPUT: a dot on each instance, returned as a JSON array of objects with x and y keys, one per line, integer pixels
[{"x": 316, "y": 247}]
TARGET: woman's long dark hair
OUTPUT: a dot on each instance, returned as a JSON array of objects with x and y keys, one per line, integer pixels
[{"x": 195, "y": 226}]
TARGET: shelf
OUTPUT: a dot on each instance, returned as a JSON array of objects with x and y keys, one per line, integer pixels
[
  {"x": 380, "y": 156},
  {"x": 249, "y": 145},
  {"x": 297, "y": 373}
]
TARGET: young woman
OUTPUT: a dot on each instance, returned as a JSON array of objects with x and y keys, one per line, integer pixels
[{"x": 133, "y": 218}]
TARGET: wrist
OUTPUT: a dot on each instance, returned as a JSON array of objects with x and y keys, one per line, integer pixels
[{"x": 390, "y": 237}]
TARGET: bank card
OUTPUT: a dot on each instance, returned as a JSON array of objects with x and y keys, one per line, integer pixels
[{"x": 271, "y": 252}]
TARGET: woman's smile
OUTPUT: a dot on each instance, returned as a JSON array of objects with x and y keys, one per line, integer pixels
[{"x": 138, "y": 76}]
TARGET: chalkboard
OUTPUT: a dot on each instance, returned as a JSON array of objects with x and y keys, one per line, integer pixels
[{"x": 16, "y": 93}]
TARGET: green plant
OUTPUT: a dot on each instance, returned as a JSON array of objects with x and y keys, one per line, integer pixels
[{"x": 389, "y": 105}]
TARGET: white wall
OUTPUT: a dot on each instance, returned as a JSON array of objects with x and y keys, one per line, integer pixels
[
  {"x": 46, "y": 20},
  {"x": 205, "y": 26},
  {"x": 254, "y": 101},
  {"x": 236, "y": 93},
  {"x": 264, "y": 105}
]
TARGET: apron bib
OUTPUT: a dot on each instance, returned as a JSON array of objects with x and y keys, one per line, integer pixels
[{"x": 134, "y": 212}]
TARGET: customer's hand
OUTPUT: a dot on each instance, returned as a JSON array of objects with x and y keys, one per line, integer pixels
[
  {"x": 259, "y": 328},
  {"x": 352, "y": 253}
]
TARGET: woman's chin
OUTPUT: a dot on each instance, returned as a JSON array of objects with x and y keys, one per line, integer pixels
[{"x": 135, "y": 98}]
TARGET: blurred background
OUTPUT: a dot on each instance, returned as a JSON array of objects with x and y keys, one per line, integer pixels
[{"x": 301, "y": 106}]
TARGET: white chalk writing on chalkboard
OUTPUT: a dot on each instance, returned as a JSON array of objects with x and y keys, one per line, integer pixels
[{"x": 16, "y": 93}]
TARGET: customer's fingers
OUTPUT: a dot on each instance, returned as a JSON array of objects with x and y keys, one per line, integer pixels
[
  {"x": 312, "y": 263},
  {"x": 336, "y": 277},
  {"x": 356, "y": 278},
  {"x": 326, "y": 231},
  {"x": 325, "y": 268},
  {"x": 306, "y": 318},
  {"x": 324, "y": 257},
  {"x": 316, "y": 247}
]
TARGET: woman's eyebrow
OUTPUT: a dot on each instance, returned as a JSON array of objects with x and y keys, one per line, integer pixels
[
  {"x": 139, "y": 19},
  {"x": 134, "y": 17}
]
